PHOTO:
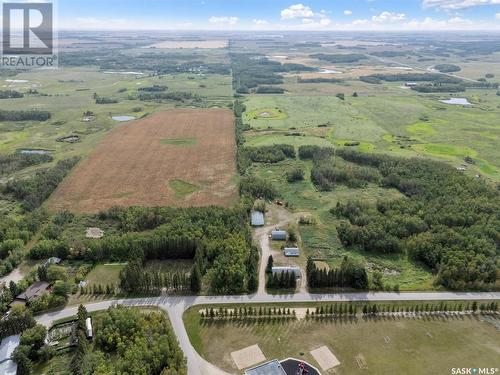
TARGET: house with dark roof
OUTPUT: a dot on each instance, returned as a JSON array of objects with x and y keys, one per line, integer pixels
[{"x": 34, "y": 291}]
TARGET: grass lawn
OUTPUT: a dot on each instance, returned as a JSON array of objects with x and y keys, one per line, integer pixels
[
  {"x": 179, "y": 141},
  {"x": 182, "y": 188},
  {"x": 59, "y": 364},
  {"x": 168, "y": 265},
  {"x": 104, "y": 274},
  {"x": 386, "y": 346}
]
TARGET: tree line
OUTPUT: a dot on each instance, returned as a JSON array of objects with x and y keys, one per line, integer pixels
[
  {"x": 33, "y": 191},
  {"x": 410, "y": 77},
  {"x": 15, "y": 162},
  {"x": 178, "y": 96},
  {"x": 341, "y": 58},
  {"x": 30, "y": 115},
  {"x": 134, "y": 278},
  {"x": 10, "y": 94},
  {"x": 350, "y": 274}
]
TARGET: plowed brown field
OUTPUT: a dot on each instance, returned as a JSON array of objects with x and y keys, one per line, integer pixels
[{"x": 175, "y": 158}]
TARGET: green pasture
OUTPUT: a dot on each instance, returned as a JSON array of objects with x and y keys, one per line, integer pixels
[{"x": 373, "y": 346}]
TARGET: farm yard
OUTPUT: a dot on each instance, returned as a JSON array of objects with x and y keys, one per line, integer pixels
[{"x": 145, "y": 163}]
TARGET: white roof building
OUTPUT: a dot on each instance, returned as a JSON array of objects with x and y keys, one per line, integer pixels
[
  {"x": 257, "y": 219},
  {"x": 88, "y": 328}
]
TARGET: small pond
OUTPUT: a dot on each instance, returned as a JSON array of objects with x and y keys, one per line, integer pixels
[
  {"x": 34, "y": 152},
  {"x": 123, "y": 118},
  {"x": 456, "y": 101},
  {"x": 329, "y": 71}
]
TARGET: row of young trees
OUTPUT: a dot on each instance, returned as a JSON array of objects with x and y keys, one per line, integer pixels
[
  {"x": 282, "y": 280},
  {"x": 447, "y": 220},
  {"x": 99, "y": 289},
  {"x": 339, "y": 310},
  {"x": 246, "y": 312}
]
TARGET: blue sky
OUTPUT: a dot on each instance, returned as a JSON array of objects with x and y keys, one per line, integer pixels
[{"x": 280, "y": 15}]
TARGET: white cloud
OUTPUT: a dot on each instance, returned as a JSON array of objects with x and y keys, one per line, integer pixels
[
  {"x": 347, "y": 12},
  {"x": 457, "y": 4},
  {"x": 386, "y": 17},
  {"x": 310, "y": 20},
  {"x": 223, "y": 20},
  {"x": 93, "y": 23},
  {"x": 497, "y": 16},
  {"x": 297, "y": 11},
  {"x": 259, "y": 22}
]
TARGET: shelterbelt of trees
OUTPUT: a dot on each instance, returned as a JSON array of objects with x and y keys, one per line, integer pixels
[{"x": 447, "y": 220}]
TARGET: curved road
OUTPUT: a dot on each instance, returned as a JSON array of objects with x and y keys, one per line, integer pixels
[{"x": 176, "y": 305}]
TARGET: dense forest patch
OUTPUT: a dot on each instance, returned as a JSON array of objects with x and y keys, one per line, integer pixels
[
  {"x": 448, "y": 221},
  {"x": 18, "y": 161}
]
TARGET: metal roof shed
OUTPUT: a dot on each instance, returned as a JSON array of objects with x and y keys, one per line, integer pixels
[
  {"x": 278, "y": 235},
  {"x": 291, "y": 251},
  {"x": 257, "y": 219}
]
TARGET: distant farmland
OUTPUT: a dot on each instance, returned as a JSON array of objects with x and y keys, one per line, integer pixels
[{"x": 175, "y": 158}]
